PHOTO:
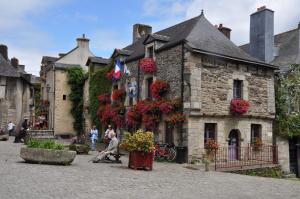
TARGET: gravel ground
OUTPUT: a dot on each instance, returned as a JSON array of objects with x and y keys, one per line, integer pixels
[{"x": 84, "y": 179}]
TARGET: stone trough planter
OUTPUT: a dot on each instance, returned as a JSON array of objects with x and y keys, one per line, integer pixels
[
  {"x": 47, "y": 156},
  {"x": 80, "y": 148},
  {"x": 4, "y": 137}
]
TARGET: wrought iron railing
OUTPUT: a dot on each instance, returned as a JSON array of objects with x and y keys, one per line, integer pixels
[{"x": 240, "y": 157}]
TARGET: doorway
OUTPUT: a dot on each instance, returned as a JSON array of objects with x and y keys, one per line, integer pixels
[
  {"x": 233, "y": 144},
  {"x": 169, "y": 139}
]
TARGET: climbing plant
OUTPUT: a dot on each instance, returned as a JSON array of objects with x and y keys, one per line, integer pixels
[
  {"x": 76, "y": 83},
  {"x": 288, "y": 103},
  {"x": 98, "y": 85}
]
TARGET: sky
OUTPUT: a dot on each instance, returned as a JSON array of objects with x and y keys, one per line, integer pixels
[{"x": 35, "y": 28}]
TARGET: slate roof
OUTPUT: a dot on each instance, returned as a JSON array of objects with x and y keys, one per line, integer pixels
[
  {"x": 62, "y": 66},
  {"x": 201, "y": 36},
  {"x": 98, "y": 60},
  {"x": 6, "y": 69},
  {"x": 48, "y": 59},
  {"x": 288, "y": 44}
]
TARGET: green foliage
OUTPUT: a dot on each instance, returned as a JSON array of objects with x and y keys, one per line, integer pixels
[
  {"x": 288, "y": 104},
  {"x": 139, "y": 141},
  {"x": 274, "y": 172},
  {"x": 37, "y": 99},
  {"x": 46, "y": 144},
  {"x": 98, "y": 85},
  {"x": 76, "y": 82}
]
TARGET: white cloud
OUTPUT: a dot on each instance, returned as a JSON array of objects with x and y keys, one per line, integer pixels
[{"x": 234, "y": 14}]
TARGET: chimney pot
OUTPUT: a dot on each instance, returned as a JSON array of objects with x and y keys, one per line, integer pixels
[
  {"x": 226, "y": 31},
  {"x": 83, "y": 42},
  {"x": 140, "y": 30},
  {"x": 299, "y": 25},
  {"x": 3, "y": 51},
  {"x": 14, "y": 61}
]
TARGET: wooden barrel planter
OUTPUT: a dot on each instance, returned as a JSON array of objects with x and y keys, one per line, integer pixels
[{"x": 140, "y": 160}]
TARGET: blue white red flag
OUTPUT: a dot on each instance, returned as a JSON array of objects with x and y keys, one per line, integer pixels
[
  {"x": 126, "y": 70},
  {"x": 118, "y": 66}
]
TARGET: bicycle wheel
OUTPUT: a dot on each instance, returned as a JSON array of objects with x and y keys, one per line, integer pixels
[{"x": 171, "y": 154}]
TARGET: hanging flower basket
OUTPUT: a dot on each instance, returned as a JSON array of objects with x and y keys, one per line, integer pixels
[
  {"x": 166, "y": 107},
  {"x": 159, "y": 88},
  {"x": 104, "y": 99},
  {"x": 239, "y": 106},
  {"x": 133, "y": 117},
  {"x": 176, "y": 119},
  {"x": 148, "y": 65},
  {"x": 118, "y": 95}
]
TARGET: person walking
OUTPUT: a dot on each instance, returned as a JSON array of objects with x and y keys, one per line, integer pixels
[
  {"x": 22, "y": 134},
  {"x": 10, "y": 128},
  {"x": 94, "y": 137}
]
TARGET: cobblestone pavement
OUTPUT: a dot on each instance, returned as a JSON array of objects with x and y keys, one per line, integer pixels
[{"x": 84, "y": 179}]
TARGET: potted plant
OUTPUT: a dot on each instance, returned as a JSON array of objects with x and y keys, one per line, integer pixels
[
  {"x": 211, "y": 146},
  {"x": 46, "y": 152},
  {"x": 141, "y": 147},
  {"x": 239, "y": 106},
  {"x": 148, "y": 65},
  {"x": 257, "y": 144}
]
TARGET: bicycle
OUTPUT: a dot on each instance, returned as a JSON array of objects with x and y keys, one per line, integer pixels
[{"x": 165, "y": 152}]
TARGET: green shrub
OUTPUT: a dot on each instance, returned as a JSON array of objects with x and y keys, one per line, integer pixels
[{"x": 46, "y": 144}]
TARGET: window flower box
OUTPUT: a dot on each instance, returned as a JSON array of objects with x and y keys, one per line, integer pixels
[
  {"x": 104, "y": 99},
  {"x": 239, "y": 106},
  {"x": 148, "y": 65}
]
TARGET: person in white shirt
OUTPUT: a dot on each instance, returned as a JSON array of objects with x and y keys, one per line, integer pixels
[
  {"x": 94, "y": 137},
  {"x": 107, "y": 135},
  {"x": 112, "y": 148},
  {"x": 10, "y": 127}
]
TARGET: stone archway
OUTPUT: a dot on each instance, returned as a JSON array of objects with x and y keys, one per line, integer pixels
[{"x": 234, "y": 143}]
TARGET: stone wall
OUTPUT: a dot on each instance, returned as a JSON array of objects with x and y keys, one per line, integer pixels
[
  {"x": 63, "y": 120},
  {"x": 224, "y": 126},
  {"x": 283, "y": 153},
  {"x": 212, "y": 86}
]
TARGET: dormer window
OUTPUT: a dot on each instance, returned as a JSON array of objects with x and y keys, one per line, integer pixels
[{"x": 150, "y": 51}]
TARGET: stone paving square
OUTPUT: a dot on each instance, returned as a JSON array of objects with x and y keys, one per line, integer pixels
[{"x": 83, "y": 179}]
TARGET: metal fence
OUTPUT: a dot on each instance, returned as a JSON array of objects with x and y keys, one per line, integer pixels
[{"x": 241, "y": 157}]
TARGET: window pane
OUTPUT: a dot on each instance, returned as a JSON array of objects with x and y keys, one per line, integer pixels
[
  {"x": 149, "y": 82},
  {"x": 237, "y": 89},
  {"x": 209, "y": 131},
  {"x": 255, "y": 132}
]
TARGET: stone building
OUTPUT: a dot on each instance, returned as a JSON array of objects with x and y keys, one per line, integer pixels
[
  {"x": 55, "y": 89},
  {"x": 205, "y": 71},
  {"x": 16, "y": 91},
  {"x": 281, "y": 50}
]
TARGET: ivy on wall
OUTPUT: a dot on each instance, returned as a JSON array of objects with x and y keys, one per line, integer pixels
[
  {"x": 98, "y": 85},
  {"x": 288, "y": 103},
  {"x": 76, "y": 83}
]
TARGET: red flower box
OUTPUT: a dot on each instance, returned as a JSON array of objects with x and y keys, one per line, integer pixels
[
  {"x": 239, "y": 106},
  {"x": 159, "y": 88},
  {"x": 104, "y": 99},
  {"x": 110, "y": 75},
  {"x": 118, "y": 95},
  {"x": 148, "y": 65},
  {"x": 140, "y": 160}
]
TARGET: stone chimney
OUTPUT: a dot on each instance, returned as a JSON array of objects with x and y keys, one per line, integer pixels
[
  {"x": 262, "y": 34},
  {"x": 226, "y": 31},
  {"x": 3, "y": 51},
  {"x": 139, "y": 30},
  {"x": 83, "y": 42},
  {"x": 14, "y": 61}
]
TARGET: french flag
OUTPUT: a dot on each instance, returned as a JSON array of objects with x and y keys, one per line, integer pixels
[{"x": 118, "y": 66}]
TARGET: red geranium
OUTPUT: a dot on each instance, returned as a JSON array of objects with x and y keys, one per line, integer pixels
[
  {"x": 148, "y": 65},
  {"x": 110, "y": 75},
  {"x": 150, "y": 121},
  {"x": 132, "y": 117},
  {"x": 105, "y": 115},
  {"x": 159, "y": 88},
  {"x": 176, "y": 118},
  {"x": 118, "y": 94},
  {"x": 239, "y": 106},
  {"x": 104, "y": 99},
  {"x": 165, "y": 107}
]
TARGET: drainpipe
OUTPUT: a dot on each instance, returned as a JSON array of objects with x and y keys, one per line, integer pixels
[
  {"x": 138, "y": 82},
  {"x": 53, "y": 106},
  {"x": 182, "y": 88}
]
